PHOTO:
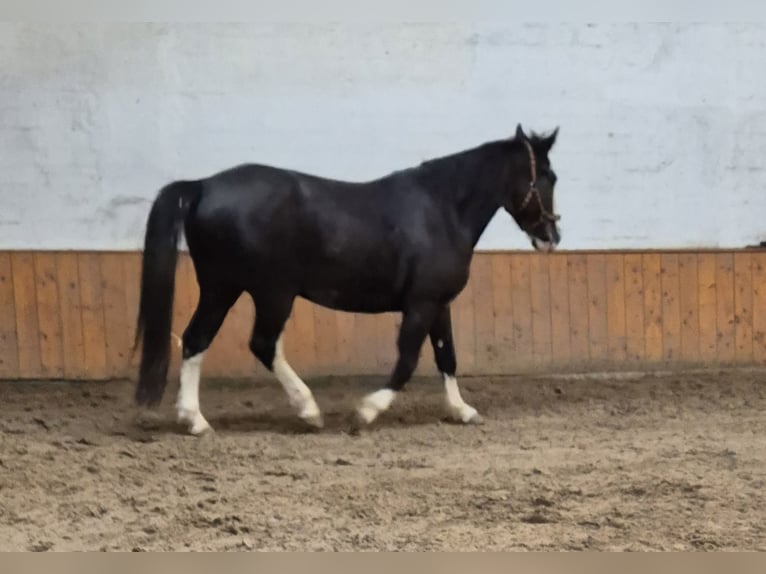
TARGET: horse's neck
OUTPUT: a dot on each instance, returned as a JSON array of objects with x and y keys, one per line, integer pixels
[
  {"x": 470, "y": 180},
  {"x": 477, "y": 214},
  {"x": 479, "y": 198}
]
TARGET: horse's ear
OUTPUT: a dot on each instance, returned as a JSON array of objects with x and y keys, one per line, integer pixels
[
  {"x": 547, "y": 142},
  {"x": 520, "y": 132}
]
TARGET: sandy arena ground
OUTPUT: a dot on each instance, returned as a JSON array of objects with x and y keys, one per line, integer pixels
[{"x": 661, "y": 462}]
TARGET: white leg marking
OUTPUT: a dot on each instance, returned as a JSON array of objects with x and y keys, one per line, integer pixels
[
  {"x": 456, "y": 406},
  {"x": 374, "y": 404},
  {"x": 298, "y": 393},
  {"x": 187, "y": 404}
]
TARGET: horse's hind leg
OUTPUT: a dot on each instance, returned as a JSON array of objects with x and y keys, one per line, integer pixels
[
  {"x": 444, "y": 353},
  {"x": 213, "y": 305},
  {"x": 266, "y": 344}
]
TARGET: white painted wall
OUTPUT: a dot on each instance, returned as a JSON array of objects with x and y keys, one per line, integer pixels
[{"x": 663, "y": 127}]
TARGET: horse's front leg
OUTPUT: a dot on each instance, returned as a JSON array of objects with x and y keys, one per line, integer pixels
[
  {"x": 444, "y": 354},
  {"x": 416, "y": 323}
]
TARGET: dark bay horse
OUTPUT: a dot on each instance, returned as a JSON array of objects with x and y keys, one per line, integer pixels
[{"x": 401, "y": 243}]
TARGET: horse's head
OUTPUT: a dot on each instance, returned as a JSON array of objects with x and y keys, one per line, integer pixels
[{"x": 530, "y": 198}]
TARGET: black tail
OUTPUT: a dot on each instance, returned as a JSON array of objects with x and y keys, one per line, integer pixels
[{"x": 155, "y": 310}]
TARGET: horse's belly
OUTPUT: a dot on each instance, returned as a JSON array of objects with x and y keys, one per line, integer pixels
[{"x": 357, "y": 294}]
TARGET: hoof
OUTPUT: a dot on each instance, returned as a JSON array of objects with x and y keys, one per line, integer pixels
[
  {"x": 311, "y": 415},
  {"x": 365, "y": 415},
  {"x": 467, "y": 416},
  {"x": 201, "y": 428},
  {"x": 147, "y": 419},
  {"x": 357, "y": 423},
  {"x": 194, "y": 421},
  {"x": 315, "y": 421},
  {"x": 476, "y": 419}
]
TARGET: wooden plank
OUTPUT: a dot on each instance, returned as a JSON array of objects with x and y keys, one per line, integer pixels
[
  {"x": 463, "y": 331},
  {"x": 115, "y": 318},
  {"x": 365, "y": 343},
  {"x": 344, "y": 327},
  {"x": 304, "y": 349},
  {"x": 540, "y": 286},
  {"x": 617, "y": 346},
  {"x": 652, "y": 307},
  {"x": 634, "y": 307},
  {"x": 236, "y": 339},
  {"x": 326, "y": 338},
  {"x": 688, "y": 284},
  {"x": 71, "y": 316},
  {"x": 132, "y": 274},
  {"x": 597, "y": 307},
  {"x": 561, "y": 350},
  {"x": 743, "y": 307},
  {"x": 522, "y": 309},
  {"x": 759, "y": 306},
  {"x": 229, "y": 353},
  {"x": 577, "y": 271},
  {"x": 708, "y": 328},
  {"x": 92, "y": 307},
  {"x": 502, "y": 304},
  {"x": 184, "y": 305},
  {"x": 725, "y": 307},
  {"x": 386, "y": 333},
  {"x": 486, "y": 354},
  {"x": 49, "y": 316},
  {"x": 290, "y": 347},
  {"x": 27, "y": 325},
  {"x": 9, "y": 348},
  {"x": 671, "y": 307}
]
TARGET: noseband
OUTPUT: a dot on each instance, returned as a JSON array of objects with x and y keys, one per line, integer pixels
[{"x": 545, "y": 215}]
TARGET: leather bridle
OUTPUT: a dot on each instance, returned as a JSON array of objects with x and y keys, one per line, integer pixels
[{"x": 534, "y": 192}]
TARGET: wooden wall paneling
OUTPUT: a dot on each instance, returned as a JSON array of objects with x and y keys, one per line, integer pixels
[
  {"x": 708, "y": 320},
  {"x": 184, "y": 305},
  {"x": 725, "y": 307},
  {"x": 386, "y": 352},
  {"x": 326, "y": 344},
  {"x": 27, "y": 324},
  {"x": 634, "y": 307},
  {"x": 481, "y": 276},
  {"x": 652, "y": 307},
  {"x": 365, "y": 344},
  {"x": 758, "y": 266},
  {"x": 345, "y": 328},
  {"x": 502, "y": 304},
  {"x": 597, "y": 307},
  {"x": 9, "y": 348},
  {"x": 73, "y": 339},
  {"x": 522, "y": 312},
  {"x": 688, "y": 300},
  {"x": 235, "y": 342},
  {"x": 229, "y": 353},
  {"x": 118, "y": 343},
  {"x": 132, "y": 271},
  {"x": 671, "y": 306},
  {"x": 49, "y": 316},
  {"x": 92, "y": 308},
  {"x": 577, "y": 272},
  {"x": 743, "y": 307},
  {"x": 540, "y": 294},
  {"x": 464, "y": 330},
  {"x": 72, "y": 315},
  {"x": 558, "y": 274},
  {"x": 617, "y": 344}
]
